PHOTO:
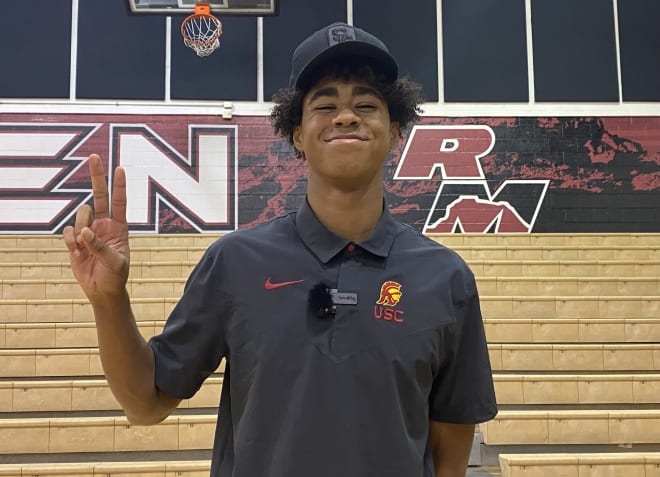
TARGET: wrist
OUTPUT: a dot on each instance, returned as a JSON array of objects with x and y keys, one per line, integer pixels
[{"x": 106, "y": 300}]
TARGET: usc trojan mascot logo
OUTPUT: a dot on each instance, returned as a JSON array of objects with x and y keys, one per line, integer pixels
[{"x": 390, "y": 294}]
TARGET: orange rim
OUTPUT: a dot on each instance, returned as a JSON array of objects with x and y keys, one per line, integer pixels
[{"x": 202, "y": 14}]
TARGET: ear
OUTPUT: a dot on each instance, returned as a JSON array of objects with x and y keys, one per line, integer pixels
[
  {"x": 395, "y": 133},
  {"x": 298, "y": 139}
]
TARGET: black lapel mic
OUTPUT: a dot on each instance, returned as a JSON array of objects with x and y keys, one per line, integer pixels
[{"x": 320, "y": 301}]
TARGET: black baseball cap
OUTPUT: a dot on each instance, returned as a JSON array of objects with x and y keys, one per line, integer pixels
[{"x": 340, "y": 40}]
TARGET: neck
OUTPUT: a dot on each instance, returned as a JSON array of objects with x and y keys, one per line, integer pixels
[{"x": 351, "y": 215}]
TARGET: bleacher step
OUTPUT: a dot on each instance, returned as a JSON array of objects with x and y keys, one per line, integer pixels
[
  {"x": 110, "y": 469},
  {"x": 498, "y": 331},
  {"x": 562, "y": 267},
  {"x": 51, "y": 362},
  {"x": 572, "y": 330},
  {"x": 63, "y": 288},
  {"x": 493, "y": 306},
  {"x": 104, "y": 434},
  {"x": 49, "y": 395},
  {"x": 16, "y": 363},
  {"x": 573, "y": 427},
  {"x": 623, "y": 464},
  {"x": 75, "y": 395}
]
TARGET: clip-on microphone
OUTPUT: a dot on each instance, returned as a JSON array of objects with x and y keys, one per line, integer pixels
[{"x": 320, "y": 301}]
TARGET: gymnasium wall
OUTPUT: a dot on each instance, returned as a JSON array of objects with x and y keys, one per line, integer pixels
[{"x": 540, "y": 115}]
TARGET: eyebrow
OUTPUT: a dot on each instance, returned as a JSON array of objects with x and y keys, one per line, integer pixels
[{"x": 331, "y": 91}]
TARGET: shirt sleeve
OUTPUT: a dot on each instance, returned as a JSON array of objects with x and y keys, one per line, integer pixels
[
  {"x": 462, "y": 391},
  {"x": 192, "y": 343}
]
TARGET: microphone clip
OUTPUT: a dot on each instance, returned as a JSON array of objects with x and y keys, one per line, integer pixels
[{"x": 323, "y": 300}]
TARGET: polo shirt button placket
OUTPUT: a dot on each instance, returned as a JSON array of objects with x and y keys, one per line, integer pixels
[{"x": 347, "y": 332}]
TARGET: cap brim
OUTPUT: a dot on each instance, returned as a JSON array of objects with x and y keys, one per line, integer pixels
[{"x": 379, "y": 59}]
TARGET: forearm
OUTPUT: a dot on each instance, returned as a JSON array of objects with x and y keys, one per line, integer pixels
[
  {"x": 128, "y": 361},
  {"x": 451, "y": 469},
  {"x": 451, "y": 445}
]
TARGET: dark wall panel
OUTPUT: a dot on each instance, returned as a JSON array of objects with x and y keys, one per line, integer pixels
[
  {"x": 229, "y": 73},
  {"x": 296, "y": 21},
  {"x": 485, "y": 50},
  {"x": 35, "y": 51},
  {"x": 574, "y": 50},
  {"x": 120, "y": 55},
  {"x": 410, "y": 34},
  {"x": 639, "y": 40}
]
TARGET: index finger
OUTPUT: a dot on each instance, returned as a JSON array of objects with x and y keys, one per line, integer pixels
[{"x": 99, "y": 187}]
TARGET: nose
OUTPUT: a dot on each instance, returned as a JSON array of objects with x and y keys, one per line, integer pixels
[{"x": 346, "y": 117}]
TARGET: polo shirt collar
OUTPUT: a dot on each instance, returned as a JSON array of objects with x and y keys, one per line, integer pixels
[{"x": 326, "y": 244}]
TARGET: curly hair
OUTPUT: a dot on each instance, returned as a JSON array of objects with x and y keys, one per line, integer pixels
[{"x": 402, "y": 97}]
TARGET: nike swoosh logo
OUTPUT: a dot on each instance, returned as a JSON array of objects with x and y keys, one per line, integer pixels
[{"x": 271, "y": 286}]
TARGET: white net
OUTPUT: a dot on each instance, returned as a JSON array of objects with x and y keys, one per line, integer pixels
[{"x": 202, "y": 33}]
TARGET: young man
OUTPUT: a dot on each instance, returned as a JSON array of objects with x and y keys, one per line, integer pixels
[{"x": 354, "y": 345}]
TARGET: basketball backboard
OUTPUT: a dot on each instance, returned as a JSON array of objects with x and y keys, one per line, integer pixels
[{"x": 218, "y": 7}]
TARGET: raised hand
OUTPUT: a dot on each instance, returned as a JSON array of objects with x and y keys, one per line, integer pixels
[{"x": 98, "y": 243}]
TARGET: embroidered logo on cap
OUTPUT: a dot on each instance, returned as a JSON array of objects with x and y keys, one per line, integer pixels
[{"x": 340, "y": 34}]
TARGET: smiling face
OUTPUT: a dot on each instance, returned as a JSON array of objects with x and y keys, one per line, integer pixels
[{"x": 345, "y": 133}]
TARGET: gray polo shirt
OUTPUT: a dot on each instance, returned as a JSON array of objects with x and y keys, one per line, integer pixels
[{"x": 343, "y": 391}]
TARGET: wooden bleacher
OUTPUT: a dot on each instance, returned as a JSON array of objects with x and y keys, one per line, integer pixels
[{"x": 573, "y": 324}]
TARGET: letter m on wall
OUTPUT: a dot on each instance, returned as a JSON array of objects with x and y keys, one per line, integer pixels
[
  {"x": 464, "y": 201},
  {"x": 163, "y": 186}
]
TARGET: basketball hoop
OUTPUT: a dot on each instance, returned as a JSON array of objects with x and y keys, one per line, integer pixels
[{"x": 201, "y": 31}]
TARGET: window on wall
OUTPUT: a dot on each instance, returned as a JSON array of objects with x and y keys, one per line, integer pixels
[
  {"x": 297, "y": 19},
  {"x": 36, "y": 52},
  {"x": 485, "y": 51},
  {"x": 229, "y": 73},
  {"x": 120, "y": 55},
  {"x": 639, "y": 40},
  {"x": 574, "y": 50},
  {"x": 409, "y": 32}
]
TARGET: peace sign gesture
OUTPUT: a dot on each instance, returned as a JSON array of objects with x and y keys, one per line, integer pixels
[{"x": 98, "y": 243}]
